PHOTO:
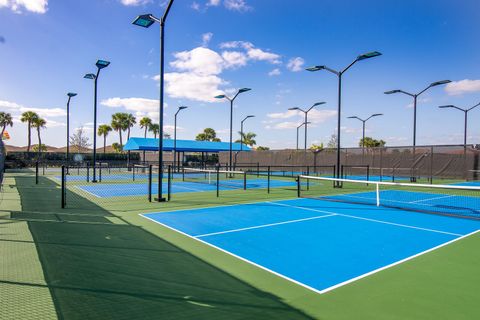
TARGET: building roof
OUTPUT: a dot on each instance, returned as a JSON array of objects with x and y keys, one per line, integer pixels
[{"x": 151, "y": 144}]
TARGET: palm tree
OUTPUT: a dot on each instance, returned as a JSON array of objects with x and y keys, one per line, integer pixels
[
  {"x": 155, "y": 128},
  {"x": 120, "y": 123},
  {"x": 103, "y": 130},
  {"x": 130, "y": 122},
  {"x": 248, "y": 138},
  {"x": 39, "y": 124},
  {"x": 145, "y": 123},
  {"x": 29, "y": 117},
  {"x": 5, "y": 120}
]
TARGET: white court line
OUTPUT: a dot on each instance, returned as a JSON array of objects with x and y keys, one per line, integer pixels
[
  {"x": 234, "y": 255},
  {"x": 396, "y": 263},
  {"x": 264, "y": 226},
  {"x": 434, "y": 198},
  {"x": 92, "y": 194},
  {"x": 368, "y": 219}
]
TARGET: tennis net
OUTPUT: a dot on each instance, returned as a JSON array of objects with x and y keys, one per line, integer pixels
[
  {"x": 221, "y": 178},
  {"x": 452, "y": 200}
]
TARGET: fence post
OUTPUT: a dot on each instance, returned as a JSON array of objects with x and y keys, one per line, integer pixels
[
  {"x": 63, "y": 188},
  {"x": 150, "y": 183},
  {"x": 298, "y": 187},
  {"x": 169, "y": 183},
  {"x": 245, "y": 180},
  {"x": 218, "y": 181},
  {"x": 36, "y": 172},
  {"x": 431, "y": 165},
  {"x": 88, "y": 172},
  {"x": 268, "y": 180}
]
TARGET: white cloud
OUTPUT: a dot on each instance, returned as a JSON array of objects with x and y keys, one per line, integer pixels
[
  {"x": 54, "y": 124},
  {"x": 314, "y": 116},
  {"x": 171, "y": 128},
  {"x": 284, "y": 115},
  {"x": 252, "y": 52},
  {"x": 275, "y": 72},
  {"x": 206, "y": 37},
  {"x": 141, "y": 105},
  {"x": 283, "y": 125},
  {"x": 237, "y": 5},
  {"x": 295, "y": 64},
  {"x": 134, "y": 2},
  {"x": 43, "y": 112},
  {"x": 36, "y": 6},
  {"x": 213, "y": 3},
  {"x": 234, "y": 59},
  {"x": 201, "y": 61},
  {"x": 319, "y": 116},
  {"x": 193, "y": 86},
  {"x": 195, "y": 6},
  {"x": 462, "y": 86}
]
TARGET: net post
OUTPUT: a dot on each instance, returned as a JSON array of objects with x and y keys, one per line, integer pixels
[
  {"x": 63, "y": 188},
  {"x": 268, "y": 179},
  {"x": 298, "y": 187},
  {"x": 36, "y": 172},
  {"x": 218, "y": 181},
  {"x": 308, "y": 181},
  {"x": 169, "y": 183},
  {"x": 378, "y": 193},
  {"x": 244, "y": 180},
  {"x": 150, "y": 183}
]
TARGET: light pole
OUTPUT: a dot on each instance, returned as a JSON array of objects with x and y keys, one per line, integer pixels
[
  {"x": 415, "y": 98},
  {"x": 305, "y": 123},
  {"x": 465, "y": 111},
  {"x": 100, "y": 65},
  {"x": 146, "y": 21},
  {"x": 222, "y": 96},
  {"x": 175, "y": 138},
  {"x": 306, "y": 118},
  {"x": 363, "y": 130},
  {"x": 241, "y": 130},
  {"x": 339, "y": 74},
  {"x": 70, "y": 96}
]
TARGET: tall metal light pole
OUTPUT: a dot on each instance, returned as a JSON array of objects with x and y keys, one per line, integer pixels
[
  {"x": 101, "y": 64},
  {"x": 241, "y": 130},
  {"x": 175, "y": 138},
  {"x": 222, "y": 96},
  {"x": 363, "y": 122},
  {"x": 306, "y": 118},
  {"x": 415, "y": 98},
  {"x": 339, "y": 74},
  {"x": 305, "y": 123},
  {"x": 465, "y": 111},
  {"x": 70, "y": 96},
  {"x": 146, "y": 21}
]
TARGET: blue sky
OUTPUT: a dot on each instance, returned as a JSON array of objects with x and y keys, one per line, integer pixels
[{"x": 213, "y": 46}]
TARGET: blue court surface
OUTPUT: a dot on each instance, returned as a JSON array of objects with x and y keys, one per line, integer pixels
[
  {"x": 376, "y": 178},
  {"x": 136, "y": 189},
  {"x": 315, "y": 243}
]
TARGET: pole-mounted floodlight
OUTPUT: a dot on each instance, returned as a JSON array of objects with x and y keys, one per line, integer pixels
[
  {"x": 223, "y": 96},
  {"x": 339, "y": 74},
  {"x": 306, "y": 117},
  {"x": 465, "y": 111},
  {"x": 241, "y": 130},
  {"x": 363, "y": 130},
  {"x": 175, "y": 138},
  {"x": 70, "y": 96},
  {"x": 101, "y": 64},
  {"x": 415, "y": 97},
  {"x": 146, "y": 21}
]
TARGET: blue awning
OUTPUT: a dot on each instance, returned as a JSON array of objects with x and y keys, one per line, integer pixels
[{"x": 151, "y": 144}]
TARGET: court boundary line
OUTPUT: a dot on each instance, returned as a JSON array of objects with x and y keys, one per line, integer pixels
[
  {"x": 341, "y": 284},
  {"x": 371, "y": 220},
  {"x": 265, "y": 225},
  {"x": 235, "y": 256}
]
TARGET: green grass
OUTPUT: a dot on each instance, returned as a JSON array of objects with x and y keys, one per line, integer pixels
[{"x": 100, "y": 259}]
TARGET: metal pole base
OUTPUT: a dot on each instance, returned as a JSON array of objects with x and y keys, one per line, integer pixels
[
  {"x": 413, "y": 179},
  {"x": 94, "y": 181},
  {"x": 160, "y": 199}
]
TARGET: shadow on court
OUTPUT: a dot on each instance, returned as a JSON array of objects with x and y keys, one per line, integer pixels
[{"x": 98, "y": 269}]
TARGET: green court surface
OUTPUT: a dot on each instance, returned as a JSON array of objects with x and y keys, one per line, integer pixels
[{"x": 102, "y": 260}]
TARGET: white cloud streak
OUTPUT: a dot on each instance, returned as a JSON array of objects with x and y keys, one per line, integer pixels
[
  {"x": 35, "y": 6},
  {"x": 463, "y": 86},
  {"x": 295, "y": 64}
]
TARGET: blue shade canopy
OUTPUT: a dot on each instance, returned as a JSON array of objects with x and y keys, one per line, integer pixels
[{"x": 151, "y": 144}]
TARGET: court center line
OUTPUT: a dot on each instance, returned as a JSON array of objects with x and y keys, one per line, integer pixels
[
  {"x": 264, "y": 226},
  {"x": 371, "y": 220}
]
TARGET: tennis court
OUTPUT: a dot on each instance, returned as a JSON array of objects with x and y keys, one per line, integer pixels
[
  {"x": 316, "y": 243},
  {"x": 135, "y": 189}
]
